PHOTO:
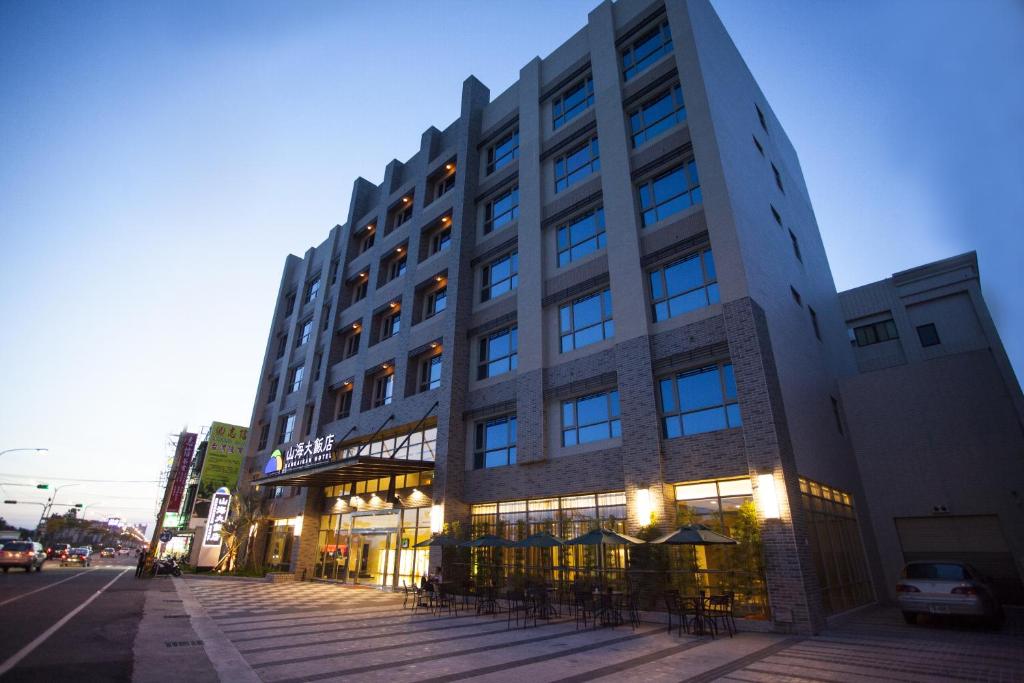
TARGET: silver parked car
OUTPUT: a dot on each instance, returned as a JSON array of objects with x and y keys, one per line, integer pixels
[{"x": 946, "y": 587}]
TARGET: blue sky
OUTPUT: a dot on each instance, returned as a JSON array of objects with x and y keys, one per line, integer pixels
[{"x": 158, "y": 161}]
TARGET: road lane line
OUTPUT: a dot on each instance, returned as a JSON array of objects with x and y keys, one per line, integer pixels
[
  {"x": 49, "y": 585},
  {"x": 13, "y": 660}
]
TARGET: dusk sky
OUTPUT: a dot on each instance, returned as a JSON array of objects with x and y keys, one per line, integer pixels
[{"x": 158, "y": 161}]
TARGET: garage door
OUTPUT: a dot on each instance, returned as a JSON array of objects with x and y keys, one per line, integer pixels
[{"x": 977, "y": 539}]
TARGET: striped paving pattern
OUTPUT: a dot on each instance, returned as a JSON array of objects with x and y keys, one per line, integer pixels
[{"x": 291, "y": 632}]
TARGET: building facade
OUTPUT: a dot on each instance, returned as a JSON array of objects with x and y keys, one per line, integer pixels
[
  {"x": 597, "y": 298},
  {"x": 937, "y": 421}
]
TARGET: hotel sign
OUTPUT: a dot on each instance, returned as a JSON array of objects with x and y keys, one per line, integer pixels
[
  {"x": 220, "y": 504},
  {"x": 308, "y": 454}
]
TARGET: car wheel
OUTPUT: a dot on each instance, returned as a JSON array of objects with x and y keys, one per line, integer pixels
[
  {"x": 910, "y": 617},
  {"x": 40, "y": 567}
]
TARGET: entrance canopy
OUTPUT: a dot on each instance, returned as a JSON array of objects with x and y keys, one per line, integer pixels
[{"x": 348, "y": 470}]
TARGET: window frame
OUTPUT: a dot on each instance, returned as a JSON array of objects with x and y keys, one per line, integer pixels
[
  {"x": 312, "y": 290},
  {"x": 427, "y": 382},
  {"x": 352, "y": 343},
  {"x": 709, "y": 284},
  {"x": 507, "y": 217},
  {"x": 484, "y": 361},
  {"x": 599, "y": 237},
  {"x": 305, "y": 332},
  {"x": 383, "y": 389},
  {"x": 606, "y": 323},
  {"x": 264, "y": 438},
  {"x": 391, "y": 322},
  {"x": 613, "y": 421},
  {"x": 675, "y": 94},
  {"x": 931, "y": 331},
  {"x": 566, "y": 178},
  {"x": 692, "y": 192},
  {"x": 495, "y": 161},
  {"x": 432, "y": 298},
  {"x": 343, "y": 408},
  {"x": 295, "y": 377},
  {"x": 636, "y": 67},
  {"x": 487, "y": 286},
  {"x": 560, "y": 116},
  {"x": 724, "y": 370},
  {"x": 480, "y": 445},
  {"x": 869, "y": 333},
  {"x": 286, "y": 428}
]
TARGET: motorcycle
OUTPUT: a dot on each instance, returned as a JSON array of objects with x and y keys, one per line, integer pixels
[{"x": 166, "y": 565}]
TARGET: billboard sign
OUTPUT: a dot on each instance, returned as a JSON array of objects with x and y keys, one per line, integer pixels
[
  {"x": 222, "y": 464},
  {"x": 220, "y": 504},
  {"x": 305, "y": 454},
  {"x": 182, "y": 463}
]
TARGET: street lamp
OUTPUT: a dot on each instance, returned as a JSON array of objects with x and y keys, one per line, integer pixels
[{"x": 37, "y": 450}]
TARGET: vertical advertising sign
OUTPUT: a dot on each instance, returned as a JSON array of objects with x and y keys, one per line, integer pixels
[
  {"x": 220, "y": 504},
  {"x": 222, "y": 464},
  {"x": 182, "y": 463}
]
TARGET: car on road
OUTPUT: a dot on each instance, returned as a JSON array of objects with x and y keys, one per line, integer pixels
[
  {"x": 107, "y": 552},
  {"x": 82, "y": 556},
  {"x": 56, "y": 550},
  {"x": 123, "y": 552},
  {"x": 946, "y": 587},
  {"x": 25, "y": 554}
]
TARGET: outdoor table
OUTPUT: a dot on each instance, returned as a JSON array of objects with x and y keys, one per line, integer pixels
[
  {"x": 608, "y": 608},
  {"x": 698, "y": 612}
]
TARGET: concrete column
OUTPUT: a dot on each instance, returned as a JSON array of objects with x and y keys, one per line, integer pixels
[{"x": 304, "y": 546}]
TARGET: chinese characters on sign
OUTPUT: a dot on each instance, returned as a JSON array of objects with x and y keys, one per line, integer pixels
[
  {"x": 182, "y": 462},
  {"x": 219, "y": 506},
  {"x": 308, "y": 453},
  {"x": 223, "y": 461}
]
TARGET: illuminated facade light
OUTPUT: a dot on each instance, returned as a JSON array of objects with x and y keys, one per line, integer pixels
[
  {"x": 436, "y": 518},
  {"x": 767, "y": 496},
  {"x": 297, "y": 526},
  {"x": 645, "y": 507},
  {"x": 405, "y": 200}
]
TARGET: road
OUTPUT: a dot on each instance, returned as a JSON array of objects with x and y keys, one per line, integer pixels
[{"x": 38, "y": 642}]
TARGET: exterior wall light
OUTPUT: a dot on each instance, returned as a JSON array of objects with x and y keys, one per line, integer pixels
[
  {"x": 767, "y": 496},
  {"x": 436, "y": 518},
  {"x": 405, "y": 200},
  {"x": 644, "y": 507},
  {"x": 369, "y": 228},
  {"x": 297, "y": 527}
]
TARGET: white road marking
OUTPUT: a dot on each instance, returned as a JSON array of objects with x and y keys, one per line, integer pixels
[
  {"x": 49, "y": 585},
  {"x": 13, "y": 660}
]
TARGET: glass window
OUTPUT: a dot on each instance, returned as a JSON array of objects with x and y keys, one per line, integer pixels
[
  {"x": 591, "y": 418},
  {"x": 684, "y": 285},
  {"x": 305, "y": 332},
  {"x": 396, "y": 266},
  {"x": 928, "y": 335},
  {"x": 383, "y": 390},
  {"x": 670, "y": 193},
  {"x": 366, "y": 242},
  {"x": 699, "y": 401},
  {"x": 586, "y": 320},
  {"x": 390, "y": 325},
  {"x": 495, "y": 443},
  {"x": 503, "y": 152},
  {"x": 572, "y": 102},
  {"x": 430, "y": 373},
  {"x": 444, "y": 184},
  {"x": 874, "y": 333},
  {"x": 646, "y": 50},
  {"x": 440, "y": 240},
  {"x": 286, "y": 429},
  {"x": 437, "y": 301},
  {"x": 501, "y": 210},
  {"x": 272, "y": 391},
  {"x": 657, "y": 116},
  {"x": 296, "y": 379},
  {"x": 577, "y": 165},
  {"x": 352, "y": 344},
  {"x": 498, "y": 353},
  {"x": 264, "y": 436},
  {"x": 312, "y": 289},
  {"x": 583, "y": 235},
  {"x": 344, "y": 404},
  {"x": 401, "y": 213},
  {"x": 500, "y": 276}
]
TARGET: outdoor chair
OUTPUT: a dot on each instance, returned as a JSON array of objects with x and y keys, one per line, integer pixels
[
  {"x": 487, "y": 601},
  {"x": 425, "y": 598},
  {"x": 446, "y": 599},
  {"x": 406, "y": 594},
  {"x": 468, "y": 591},
  {"x": 674, "y": 608},
  {"x": 633, "y": 607},
  {"x": 719, "y": 608},
  {"x": 517, "y": 604},
  {"x": 584, "y": 608}
]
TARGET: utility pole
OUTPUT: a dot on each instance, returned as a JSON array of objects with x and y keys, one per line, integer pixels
[{"x": 164, "y": 503}]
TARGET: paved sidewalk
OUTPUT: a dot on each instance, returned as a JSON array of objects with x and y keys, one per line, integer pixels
[{"x": 294, "y": 632}]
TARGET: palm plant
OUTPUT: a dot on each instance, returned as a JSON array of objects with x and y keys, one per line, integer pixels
[{"x": 237, "y": 530}]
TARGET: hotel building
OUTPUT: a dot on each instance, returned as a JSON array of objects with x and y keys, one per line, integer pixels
[{"x": 599, "y": 297}]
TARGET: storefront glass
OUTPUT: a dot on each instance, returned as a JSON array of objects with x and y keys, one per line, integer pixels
[{"x": 279, "y": 546}]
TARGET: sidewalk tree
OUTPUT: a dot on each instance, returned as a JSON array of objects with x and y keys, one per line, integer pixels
[{"x": 246, "y": 515}]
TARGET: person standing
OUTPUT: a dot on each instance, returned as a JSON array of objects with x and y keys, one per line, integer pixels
[{"x": 141, "y": 565}]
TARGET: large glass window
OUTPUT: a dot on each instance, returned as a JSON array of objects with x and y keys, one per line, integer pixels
[
  {"x": 698, "y": 401},
  {"x": 500, "y": 276},
  {"x": 591, "y": 418},
  {"x": 437, "y": 301},
  {"x": 684, "y": 285},
  {"x": 312, "y": 289},
  {"x": 657, "y": 115},
  {"x": 286, "y": 428},
  {"x": 572, "y": 102},
  {"x": 495, "y": 443},
  {"x": 430, "y": 373},
  {"x": 344, "y": 404},
  {"x": 669, "y": 193},
  {"x": 390, "y": 324},
  {"x": 577, "y": 165},
  {"x": 874, "y": 333},
  {"x": 305, "y": 332},
  {"x": 296, "y": 379},
  {"x": 586, "y": 320},
  {"x": 503, "y": 152},
  {"x": 498, "y": 353},
  {"x": 581, "y": 236},
  {"x": 383, "y": 390},
  {"x": 646, "y": 50},
  {"x": 397, "y": 267},
  {"x": 501, "y": 210}
]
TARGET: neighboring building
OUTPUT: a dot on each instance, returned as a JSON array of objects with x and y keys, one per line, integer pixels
[
  {"x": 937, "y": 421},
  {"x": 598, "y": 298}
]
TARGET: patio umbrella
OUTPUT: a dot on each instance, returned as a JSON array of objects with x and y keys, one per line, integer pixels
[
  {"x": 488, "y": 541},
  {"x": 695, "y": 534},
  {"x": 604, "y": 537},
  {"x": 541, "y": 539},
  {"x": 438, "y": 541}
]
